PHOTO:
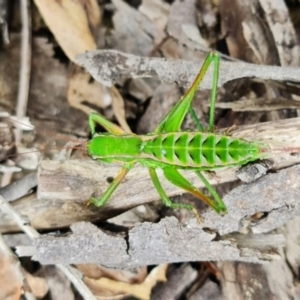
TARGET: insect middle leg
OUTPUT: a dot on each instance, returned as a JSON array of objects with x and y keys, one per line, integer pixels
[
  {"x": 221, "y": 207},
  {"x": 177, "y": 179},
  {"x": 165, "y": 199},
  {"x": 112, "y": 187}
]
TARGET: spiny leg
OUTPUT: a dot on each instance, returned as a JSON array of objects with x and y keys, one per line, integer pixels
[
  {"x": 173, "y": 120},
  {"x": 165, "y": 199},
  {"x": 115, "y": 183},
  {"x": 177, "y": 179},
  {"x": 213, "y": 94},
  {"x": 222, "y": 210},
  {"x": 195, "y": 119},
  {"x": 101, "y": 120}
]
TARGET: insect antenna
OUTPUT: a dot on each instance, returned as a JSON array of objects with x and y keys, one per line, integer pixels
[
  {"x": 282, "y": 149},
  {"x": 27, "y": 126},
  {"x": 81, "y": 148}
]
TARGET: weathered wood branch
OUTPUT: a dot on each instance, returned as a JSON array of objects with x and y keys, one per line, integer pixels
[
  {"x": 150, "y": 244},
  {"x": 65, "y": 187},
  {"x": 108, "y": 66}
]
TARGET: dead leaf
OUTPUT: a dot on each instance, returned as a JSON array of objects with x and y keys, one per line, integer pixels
[
  {"x": 84, "y": 92},
  {"x": 157, "y": 11},
  {"x": 182, "y": 25},
  {"x": 140, "y": 291},
  {"x": 70, "y": 21},
  {"x": 38, "y": 285},
  {"x": 93, "y": 271},
  {"x": 11, "y": 285},
  {"x": 59, "y": 285},
  {"x": 88, "y": 95},
  {"x": 118, "y": 107},
  {"x": 133, "y": 32}
]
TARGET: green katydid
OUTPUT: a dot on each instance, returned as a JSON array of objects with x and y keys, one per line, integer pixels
[{"x": 170, "y": 149}]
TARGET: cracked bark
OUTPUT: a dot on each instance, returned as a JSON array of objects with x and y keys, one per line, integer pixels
[
  {"x": 109, "y": 66},
  {"x": 147, "y": 244}
]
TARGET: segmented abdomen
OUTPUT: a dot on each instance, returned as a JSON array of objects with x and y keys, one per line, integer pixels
[{"x": 196, "y": 149}]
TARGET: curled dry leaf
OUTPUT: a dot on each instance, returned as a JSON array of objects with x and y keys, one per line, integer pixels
[
  {"x": 157, "y": 11},
  {"x": 84, "y": 93},
  {"x": 38, "y": 285},
  {"x": 93, "y": 271},
  {"x": 259, "y": 31},
  {"x": 133, "y": 32},
  {"x": 70, "y": 21},
  {"x": 11, "y": 285},
  {"x": 106, "y": 286},
  {"x": 118, "y": 107},
  {"x": 76, "y": 38},
  {"x": 182, "y": 25},
  {"x": 278, "y": 18}
]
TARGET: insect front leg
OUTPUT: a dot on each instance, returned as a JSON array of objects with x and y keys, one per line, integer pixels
[
  {"x": 101, "y": 120},
  {"x": 173, "y": 120},
  {"x": 112, "y": 187}
]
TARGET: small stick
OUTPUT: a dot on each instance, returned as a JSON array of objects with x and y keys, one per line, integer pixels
[{"x": 73, "y": 275}]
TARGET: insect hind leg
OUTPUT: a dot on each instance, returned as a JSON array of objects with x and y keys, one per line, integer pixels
[
  {"x": 177, "y": 179},
  {"x": 195, "y": 119},
  {"x": 112, "y": 187},
  {"x": 165, "y": 199},
  {"x": 220, "y": 206}
]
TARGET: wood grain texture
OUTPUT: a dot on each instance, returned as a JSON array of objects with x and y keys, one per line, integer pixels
[
  {"x": 64, "y": 188},
  {"x": 148, "y": 244}
]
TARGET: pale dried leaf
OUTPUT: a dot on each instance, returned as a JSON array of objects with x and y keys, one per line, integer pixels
[
  {"x": 140, "y": 89},
  {"x": 86, "y": 94},
  {"x": 182, "y": 25},
  {"x": 140, "y": 291},
  {"x": 133, "y": 31},
  {"x": 38, "y": 285},
  {"x": 292, "y": 247},
  {"x": 83, "y": 90},
  {"x": 69, "y": 21},
  {"x": 157, "y": 11},
  {"x": 59, "y": 285},
  {"x": 11, "y": 285},
  {"x": 119, "y": 108},
  {"x": 278, "y": 17},
  {"x": 93, "y": 271},
  {"x": 29, "y": 159}
]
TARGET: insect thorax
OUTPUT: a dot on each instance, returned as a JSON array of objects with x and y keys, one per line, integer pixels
[{"x": 114, "y": 146}]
